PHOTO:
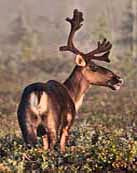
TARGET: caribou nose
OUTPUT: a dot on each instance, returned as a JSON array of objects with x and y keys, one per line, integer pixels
[{"x": 121, "y": 81}]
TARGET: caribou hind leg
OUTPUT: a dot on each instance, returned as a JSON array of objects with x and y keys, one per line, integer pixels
[
  {"x": 29, "y": 131},
  {"x": 30, "y": 137},
  {"x": 28, "y": 122}
]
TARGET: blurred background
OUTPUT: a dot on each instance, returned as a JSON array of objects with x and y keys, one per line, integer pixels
[{"x": 31, "y": 32}]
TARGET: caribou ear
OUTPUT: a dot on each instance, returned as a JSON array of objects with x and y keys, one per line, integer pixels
[{"x": 79, "y": 60}]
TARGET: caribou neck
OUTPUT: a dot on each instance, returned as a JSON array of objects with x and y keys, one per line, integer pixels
[{"x": 77, "y": 86}]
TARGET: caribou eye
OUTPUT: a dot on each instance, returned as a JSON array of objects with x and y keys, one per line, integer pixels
[{"x": 94, "y": 67}]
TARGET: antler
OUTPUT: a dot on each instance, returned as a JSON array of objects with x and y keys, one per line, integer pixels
[
  {"x": 75, "y": 25},
  {"x": 103, "y": 47}
]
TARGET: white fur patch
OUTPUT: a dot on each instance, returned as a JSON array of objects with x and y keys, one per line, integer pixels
[
  {"x": 33, "y": 99},
  {"x": 41, "y": 107}
]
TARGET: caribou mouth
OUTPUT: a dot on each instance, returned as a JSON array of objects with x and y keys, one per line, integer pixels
[{"x": 116, "y": 86}]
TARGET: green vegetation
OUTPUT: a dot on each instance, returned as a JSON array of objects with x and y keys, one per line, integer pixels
[{"x": 93, "y": 147}]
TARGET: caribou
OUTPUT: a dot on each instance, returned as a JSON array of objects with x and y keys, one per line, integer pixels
[{"x": 53, "y": 105}]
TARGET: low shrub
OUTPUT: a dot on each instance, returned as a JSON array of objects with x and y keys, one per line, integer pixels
[{"x": 91, "y": 148}]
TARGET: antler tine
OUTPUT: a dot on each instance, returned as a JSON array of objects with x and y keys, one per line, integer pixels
[
  {"x": 103, "y": 47},
  {"x": 75, "y": 25}
]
